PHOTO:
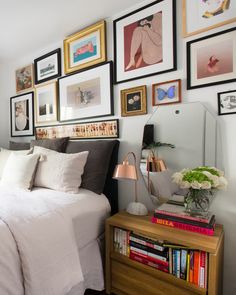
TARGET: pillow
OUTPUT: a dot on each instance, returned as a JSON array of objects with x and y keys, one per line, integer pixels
[
  {"x": 17, "y": 146},
  {"x": 59, "y": 171},
  {"x": 19, "y": 171},
  {"x": 56, "y": 144}
]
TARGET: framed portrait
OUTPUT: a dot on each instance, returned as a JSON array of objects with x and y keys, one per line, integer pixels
[
  {"x": 208, "y": 14},
  {"x": 86, "y": 94},
  {"x": 87, "y": 130},
  {"x": 85, "y": 48},
  {"x": 22, "y": 115},
  {"x": 145, "y": 41},
  {"x": 46, "y": 103},
  {"x": 211, "y": 60},
  {"x": 166, "y": 92},
  {"x": 134, "y": 101},
  {"x": 24, "y": 78},
  {"x": 227, "y": 102},
  {"x": 48, "y": 66}
]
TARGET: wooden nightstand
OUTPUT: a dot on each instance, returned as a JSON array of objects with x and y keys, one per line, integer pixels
[{"x": 126, "y": 276}]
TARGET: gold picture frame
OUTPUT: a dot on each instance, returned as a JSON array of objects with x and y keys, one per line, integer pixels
[
  {"x": 24, "y": 78},
  {"x": 85, "y": 48},
  {"x": 134, "y": 101}
]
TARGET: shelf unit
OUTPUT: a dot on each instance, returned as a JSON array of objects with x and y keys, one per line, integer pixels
[{"x": 128, "y": 277}]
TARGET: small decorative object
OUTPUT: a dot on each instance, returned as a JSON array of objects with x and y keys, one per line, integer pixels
[
  {"x": 129, "y": 172},
  {"x": 133, "y": 101},
  {"x": 227, "y": 102},
  {"x": 24, "y": 78},
  {"x": 144, "y": 41},
  {"x": 85, "y": 48},
  {"x": 208, "y": 14},
  {"x": 48, "y": 66},
  {"x": 46, "y": 103},
  {"x": 211, "y": 60},
  {"x": 201, "y": 183},
  {"x": 166, "y": 92},
  {"x": 22, "y": 115},
  {"x": 86, "y": 94}
]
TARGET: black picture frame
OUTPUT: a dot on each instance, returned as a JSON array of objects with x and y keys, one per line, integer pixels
[
  {"x": 54, "y": 74},
  {"x": 210, "y": 45},
  {"x": 226, "y": 102},
  {"x": 167, "y": 64}
]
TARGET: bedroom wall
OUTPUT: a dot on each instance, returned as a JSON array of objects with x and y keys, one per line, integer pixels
[{"x": 224, "y": 205}]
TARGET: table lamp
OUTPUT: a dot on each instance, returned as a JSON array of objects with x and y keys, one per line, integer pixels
[{"x": 127, "y": 171}]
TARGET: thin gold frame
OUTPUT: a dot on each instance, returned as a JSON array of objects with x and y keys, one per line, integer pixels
[{"x": 101, "y": 28}]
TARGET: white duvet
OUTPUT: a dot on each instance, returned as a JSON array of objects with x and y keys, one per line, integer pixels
[{"x": 38, "y": 247}]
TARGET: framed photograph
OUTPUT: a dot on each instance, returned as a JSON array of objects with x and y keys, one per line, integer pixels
[
  {"x": 85, "y": 48},
  {"x": 24, "y": 78},
  {"x": 46, "y": 103},
  {"x": 227, "y": 102},
  {"x": 211, "y": 60},
  {"x": 166, "y": 92},
  {"x": 134, "y": 101},
  {"x": 86, "y": 94},
  {"x": 48, "y": 66},
  {"x": 22, "y": 115},
  {"x": 145, "y": 41},
  {"x": 87, "y": 130},
  {"x": 208, "y": 14}
]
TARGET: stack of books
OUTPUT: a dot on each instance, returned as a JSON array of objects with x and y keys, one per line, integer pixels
[{"x": 174, "y": 215}]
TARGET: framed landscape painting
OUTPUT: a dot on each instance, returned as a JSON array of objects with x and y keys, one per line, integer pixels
[
  {"x": 166, "y": 92},
  {"x": 145, "y": 41},
  {"x": 24, "y": 78},
  {"x": 227, "y": 102}
]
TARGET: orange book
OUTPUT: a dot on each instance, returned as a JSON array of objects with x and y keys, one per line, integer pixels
[{"x": 196, "y": 267}]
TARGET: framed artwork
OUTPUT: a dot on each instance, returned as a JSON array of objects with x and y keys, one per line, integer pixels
[
  {"x": 134, "y": 101},
  {"x": 22, "y": 115},
  {"x": 86, "y": 94},
  {"x": 208, "y": 14},
  {"x": 46, "y": 103},
  {"x": 211, "y": 60},
  {"x": 227, "y": 102},
  {"x": 24, "y": 78},
  {"x": 166, "y": 92},
  {"x": 145, "y": 41},
  {"x": 87, "y": 130},
  {"x": 48, "y": 66},
  {"x": 85, "y": 48}
]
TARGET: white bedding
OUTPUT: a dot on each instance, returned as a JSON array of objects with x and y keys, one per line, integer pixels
[{"x": 41, "y": 224}]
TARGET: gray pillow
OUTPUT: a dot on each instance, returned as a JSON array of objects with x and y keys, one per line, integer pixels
[
  {"x": 98, "y": 161},
  {"x": 18, "y": 146},
  {"x": 56, "y": 144}
]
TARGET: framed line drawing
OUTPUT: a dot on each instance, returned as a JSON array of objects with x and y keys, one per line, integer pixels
[
  {"x": 24, "y": 78},
  {"x": 227, "y": 102},
  {"x": 166, "y": 92},
  {"x": 145, "y": 41}
]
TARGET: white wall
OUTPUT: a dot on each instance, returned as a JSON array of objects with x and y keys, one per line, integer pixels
[{"x": 131, "y": 129}]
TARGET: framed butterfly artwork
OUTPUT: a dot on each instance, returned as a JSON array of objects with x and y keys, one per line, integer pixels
[{"x": 166, "y": 92}]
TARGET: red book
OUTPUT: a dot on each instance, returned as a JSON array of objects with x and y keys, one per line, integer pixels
[
  {"x": 196, "y": 267},
  {"x": 150, "y": 258},
  {"x": 184, "y": 226}
]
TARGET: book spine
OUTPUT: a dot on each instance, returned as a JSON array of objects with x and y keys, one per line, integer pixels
[
  {"x": 183, "y": 264},
  {"x": 188, "y": 267},
  {"x": 148, "y": 249},
  {"x": 191, "y": 267},
  {"x": 174, "y": 262},
  {"x": 184, "y": 226},
  {"x": 202, "y": 268},
  {"x": 196, "y": 267},
  {"x": 144, "y": 242},
  {"x": 206, "y": 271},
  {"x": 170, "y": 261},
  {"x": 150, "y": 258},
  {"x": 178, "y": 263}
]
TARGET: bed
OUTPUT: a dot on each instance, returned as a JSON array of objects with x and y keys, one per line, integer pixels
[{"x": 51, "y": 241}]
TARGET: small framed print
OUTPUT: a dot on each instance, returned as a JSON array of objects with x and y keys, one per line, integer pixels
[
  {"x": 227, "y": 102},
  {"x": 48, "y": 66},
  {"x": 134, "y": 101},
  {"x": 24, "y": 78},
  {"x": 85, "y": 48},
  {"x": 46, "y": 103},
  {"x": 22, "y": 115},
  {"x": 166, "y": 92}
]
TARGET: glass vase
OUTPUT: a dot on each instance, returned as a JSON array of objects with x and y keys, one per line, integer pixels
[{"x": 197, "y": 201}]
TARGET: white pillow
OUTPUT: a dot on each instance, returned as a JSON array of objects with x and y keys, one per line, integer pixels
[
  {"x": 59, "y": 171},
  {"x": 19, "y": 171}
]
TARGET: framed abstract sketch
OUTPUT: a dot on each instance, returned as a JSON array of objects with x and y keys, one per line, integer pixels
[
  {"x": 208, "y": 14},
  {"x": 211, "y": 60},
  {"x": 86, "y": 94},
  {"x": 166, "y": 92},
  {"x": 48, "y": 66},
  {"x": 85, "y": 48},
  {"x": 145, "y": 41},
  {"x": 134, "y": 101},
  {"x": 22, "y": 115},
  {"x": 227, "y": 102},
  {"x": 46, "y": 103},
  {"x": 24, "y": 78}
]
